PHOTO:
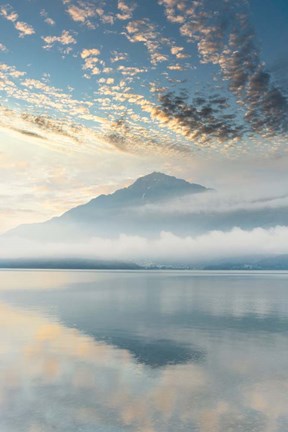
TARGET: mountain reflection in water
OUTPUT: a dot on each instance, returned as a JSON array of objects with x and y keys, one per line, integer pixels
[{"x": 143, "y": 351}]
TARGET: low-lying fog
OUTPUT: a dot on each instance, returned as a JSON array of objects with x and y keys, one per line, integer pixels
[{"x": 168, "y": 246}]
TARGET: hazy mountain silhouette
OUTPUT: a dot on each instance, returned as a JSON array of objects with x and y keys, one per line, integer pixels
[
  {"x": 109, "y": 215},
  {"x": 152, "y": 188},
  {"x": 125, "y": 212}
]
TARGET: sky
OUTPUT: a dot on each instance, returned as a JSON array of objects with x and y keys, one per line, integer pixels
[{"x": 94, "y": 94}]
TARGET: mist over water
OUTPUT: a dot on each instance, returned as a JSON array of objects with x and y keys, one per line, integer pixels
[
  {"x": 155, "y": 220},
  {"x": 165, "y": 248},
  {"x": 143, "y": 351}
]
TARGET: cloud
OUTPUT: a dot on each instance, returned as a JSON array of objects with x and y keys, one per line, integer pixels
[
  {"x": 89, "y": 52},
  {"x": 186, "y": 126},
  {"x": 204, "y": 120},
  {"x": 130, "y": 70},
  {"x": 3, "y": 48},
  {"x": 126, "y": 8},
  {"x": 66, "y": 38},
  {"x": 224, "y": 36},
  {"x": 81, "y": 15},
  {"x": 46, "y": 17},
  {"x": 132, "y": 135},
  {"x": 11, "y": 71},
  {"x": 176, "y": 67},
  {"x": 167, "y": 248},
  {"x": 23, "y": 28},
  {"x": 108, "y": 81},
  {"x": 178, "y": 52},
  {"x": 8, "y": 13},
  {"x": 38, "y": 96},
  {"x": 91, "y": 61},
  {"x": 117, "y": 56},
  {"x": 87, "y": 12},
  {"x": 214, "y": 202},
  {"x": 41, "y": 96},
  {"x": 60, "y": 135},
  {"x": 145, "y": 31},
  {"x": 174, "y": 10}
]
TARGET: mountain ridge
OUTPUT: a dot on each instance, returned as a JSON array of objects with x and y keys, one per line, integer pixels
[
  {"x": 144, "y": 189},
  {"x": 127, "y": 211},
  {"x": 151, "y": 188}
]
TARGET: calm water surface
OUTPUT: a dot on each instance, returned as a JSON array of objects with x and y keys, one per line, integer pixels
[{"x": 143, "y": 352}]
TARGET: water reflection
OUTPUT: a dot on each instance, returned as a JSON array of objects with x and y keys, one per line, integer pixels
[{"x": 141, "y": 352}]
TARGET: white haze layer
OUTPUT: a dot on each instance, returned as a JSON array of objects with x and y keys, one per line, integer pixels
[
  {"x": 166, "y": 248},
  {"x": 217, "y": 202}
]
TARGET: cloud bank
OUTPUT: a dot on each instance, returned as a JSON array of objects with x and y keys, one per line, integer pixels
[
  {"x": 224, "y": 36},
  {"x": 242, "y": 106},
  {"x": 212, "y": 202},
  {"x": 167, "y": 248}
]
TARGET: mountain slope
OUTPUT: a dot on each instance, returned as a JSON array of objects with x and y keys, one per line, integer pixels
[
  {"x": 142, "y": 209},
  {"x": 109, "y": 215},
  {"x": 152, "y": 188}
]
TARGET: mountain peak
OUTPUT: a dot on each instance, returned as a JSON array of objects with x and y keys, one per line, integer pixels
[
  {"x": 157, "y": 186},
  {"x": 156, "y": 176},
  {"x": 114, "y": 212}
]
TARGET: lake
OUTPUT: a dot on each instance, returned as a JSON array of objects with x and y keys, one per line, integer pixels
[{"x": 143, "y": 351}]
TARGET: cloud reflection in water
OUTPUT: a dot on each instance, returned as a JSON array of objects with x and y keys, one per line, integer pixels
[{"x": 53, "y": 377}]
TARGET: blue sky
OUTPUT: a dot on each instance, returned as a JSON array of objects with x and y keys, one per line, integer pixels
[{"x": 89, "y": 87}]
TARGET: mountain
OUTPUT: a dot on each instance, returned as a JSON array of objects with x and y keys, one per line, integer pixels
[
  {"x": 154, "y": 187},
  {"x": 153, "y": 203},
  {"x": 109, "y": 215}
]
